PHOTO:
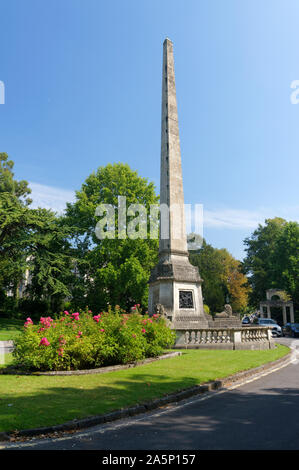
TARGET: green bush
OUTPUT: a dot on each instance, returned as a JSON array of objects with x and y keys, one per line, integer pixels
[
  {"x": 81, "y": 340},
  {"x": 207, "y": 309}
]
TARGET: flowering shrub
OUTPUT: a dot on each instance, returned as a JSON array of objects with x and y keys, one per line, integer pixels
[{"x": 81, "y": 340}]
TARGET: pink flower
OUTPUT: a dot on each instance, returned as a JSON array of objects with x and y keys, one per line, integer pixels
[
  {"x": 133, "y": 308},
  {"x": 143, "y": 330},
  {"x": 79, "y": 334},
  {"x": 44, "y": 342},
  {"x": 134, "y": 336},
  {"x": 28, "y": 322},
  {"x": 46, "y": 322},
  {"x": 97, "y": 317},
  {"x": 66, "y": 312},
  {"x": 102, "y": 329},
  {"x": 75, "y": 315}
]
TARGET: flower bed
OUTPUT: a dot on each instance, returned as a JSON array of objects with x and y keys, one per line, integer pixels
[{"x": 81, "y": 340}]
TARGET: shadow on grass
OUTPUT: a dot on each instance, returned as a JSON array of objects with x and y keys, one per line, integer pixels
[
  {"x": 266, "y": 418},
  {"x": 55, "y": 405},
  {"x": 10, "y": 328}
]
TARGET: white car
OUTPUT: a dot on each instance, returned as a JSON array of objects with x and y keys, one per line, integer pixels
[{"x": 276, "y": 329}]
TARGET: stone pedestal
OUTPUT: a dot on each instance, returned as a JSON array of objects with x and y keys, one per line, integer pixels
[{"x": 176, "y": 284}]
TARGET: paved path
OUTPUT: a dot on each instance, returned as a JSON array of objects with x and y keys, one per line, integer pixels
[{"x": 260, "y": 414}]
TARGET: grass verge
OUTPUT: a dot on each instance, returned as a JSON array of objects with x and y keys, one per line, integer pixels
[
  {"x": 10, "y": 329},
  {"x": 35, "y": 401}
]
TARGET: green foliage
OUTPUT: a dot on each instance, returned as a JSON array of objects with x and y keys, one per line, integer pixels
[
  {"x": 272, "y": 259},
  {"x": 110, "y": 271},
  {"x": 210, "y": 267},
  {"x": 206, "y": 309},
  {"x": 50, "y": 261},
  {"x": 16, "y": 189},
  {"x": 33, "y": 243},
  {"x": 82, "y": 341},
  {"x": 222, "y": 278}
]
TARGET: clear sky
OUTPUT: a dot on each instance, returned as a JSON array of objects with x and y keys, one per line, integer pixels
[{"x": 83, "y": 88}]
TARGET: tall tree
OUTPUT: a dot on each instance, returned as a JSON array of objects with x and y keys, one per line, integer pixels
[
  {"x": 272, "y": 259},
  {"x": 223, "y": 279},
  {"x": 15, "y": 221},
  {"x": 50, "y": 260},
  {"x": 33, "y": 242},
  {"x": 111, "y": 271}
]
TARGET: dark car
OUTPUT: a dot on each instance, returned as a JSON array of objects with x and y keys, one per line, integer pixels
[{"x": 290, "y": 329}]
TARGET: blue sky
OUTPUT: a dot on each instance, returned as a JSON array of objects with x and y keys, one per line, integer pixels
[{"x": 83, "y": 88}]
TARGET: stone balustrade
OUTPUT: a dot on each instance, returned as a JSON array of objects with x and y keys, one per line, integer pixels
[{"x": 259, "y": 337}]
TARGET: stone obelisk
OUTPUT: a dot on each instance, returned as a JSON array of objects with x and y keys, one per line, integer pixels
[{"x": 175, "y": 284}]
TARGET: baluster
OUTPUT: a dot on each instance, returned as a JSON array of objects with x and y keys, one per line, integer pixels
[{"x": 192, "y": 337}]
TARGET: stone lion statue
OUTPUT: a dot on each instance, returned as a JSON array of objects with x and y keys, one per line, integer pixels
[
  {"x": 159, "y": 308},
  {"x": 227, "y": 312}
]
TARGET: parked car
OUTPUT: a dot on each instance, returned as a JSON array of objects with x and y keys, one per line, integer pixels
[
  {"x": 246, "y": 321},
  {"x": 276, "y": 329},
  {"x": 290, "y": 329}
]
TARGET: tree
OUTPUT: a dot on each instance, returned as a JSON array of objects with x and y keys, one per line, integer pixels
[
  {"x": 223, "y": 279},
  {"x": 16, "y": 189},
  {"x": 50, "y": 260},
  {"x": 272, "y": 259},
  {"x": 235, "y": 281},
  {"x": 286, "y": 261},
  {"x": 32, "y": 241},
  {"x": 111, "y": 271},
  {"x": 15, "y": 221}
]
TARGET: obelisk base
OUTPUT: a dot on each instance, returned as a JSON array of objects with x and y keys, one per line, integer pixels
[{"x": 175, "y": 291}]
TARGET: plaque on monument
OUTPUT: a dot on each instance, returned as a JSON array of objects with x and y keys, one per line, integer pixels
[{"x": 186, "y": 299}]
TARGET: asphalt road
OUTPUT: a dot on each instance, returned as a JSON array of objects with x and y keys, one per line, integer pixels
[{"x": 261, "y": 414}]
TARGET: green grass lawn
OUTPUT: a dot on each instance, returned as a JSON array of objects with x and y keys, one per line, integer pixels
[
  {"x": 34, "y": 401},
  {"x": 8, "y": 358},
  {"x": 10, "y": 329}
]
